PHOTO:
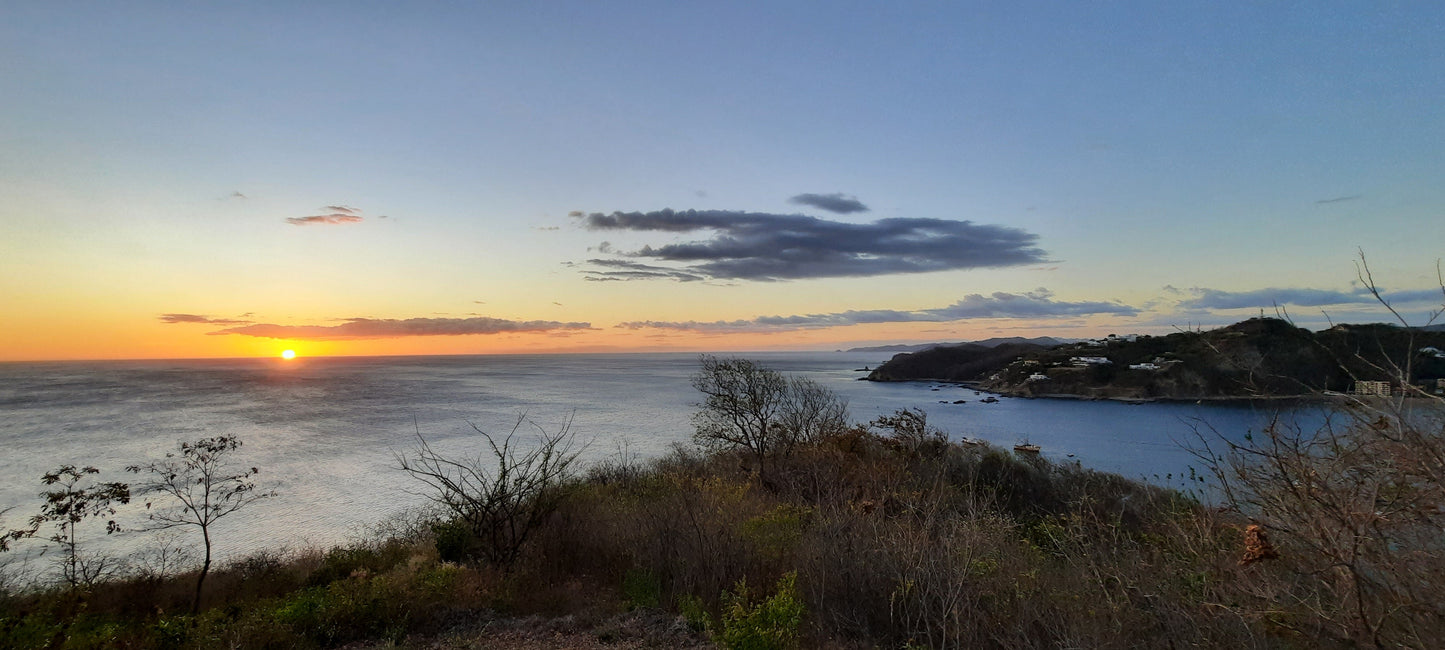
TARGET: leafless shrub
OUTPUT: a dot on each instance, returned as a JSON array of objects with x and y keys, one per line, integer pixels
[
  {"x": 165, "y": 558},
  {"x": 503, "y": 497}
]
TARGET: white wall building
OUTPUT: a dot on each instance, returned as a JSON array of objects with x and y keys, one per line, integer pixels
[{"x": 1376, "y": 388}]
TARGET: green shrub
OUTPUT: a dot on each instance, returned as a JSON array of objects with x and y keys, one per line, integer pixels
[
  {"x": 778, "y": 531},
  {"x": 772, "y": 624},
  {"x": 694, "y": 611},
  {"x": 33, "y": 631},
  {"x": 455, "y": 542},
  {"x": 437, "y": 581},
  {"x": 339, "y": 563},
  {"x": 345, "y": 610},
  {"x": 642, "y": 588}
]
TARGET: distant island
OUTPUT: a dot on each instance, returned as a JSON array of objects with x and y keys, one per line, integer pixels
[{"x": 1259, "y": 357}]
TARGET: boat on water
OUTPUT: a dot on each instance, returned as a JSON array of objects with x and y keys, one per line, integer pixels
[
  {"x": 1026, "y": 448},
  {"x": 971, "y": 442}
]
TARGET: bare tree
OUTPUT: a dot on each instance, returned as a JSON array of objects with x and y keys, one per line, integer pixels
[
  {"x": 756, "y": 409},
  {"x": 812, "y": 412},
  {"x": 501, "y": 497},
  {"x": 199, "y": 480},
  {"x": 75, "y": 499}
]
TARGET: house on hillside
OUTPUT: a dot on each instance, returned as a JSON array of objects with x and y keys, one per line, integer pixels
[
  {"x": 1084, "y": 362},
  {"x": 1372, "y": 388}
]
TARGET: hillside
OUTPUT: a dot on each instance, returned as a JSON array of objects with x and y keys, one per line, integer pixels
[
  {"x": 1043, "y": 341},
  {"x": 1256, "y": 357}
]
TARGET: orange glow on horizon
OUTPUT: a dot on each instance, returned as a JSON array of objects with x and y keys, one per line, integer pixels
[{"x": 35, "y": 337}]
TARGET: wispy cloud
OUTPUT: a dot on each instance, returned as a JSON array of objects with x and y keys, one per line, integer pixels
[
  {"x": 385, "y": 328},
  {"x": 1034, "y": 304},
  {"x": 766, "y": 247},
  {"x": 335, "y": 215},
  {"x": 836, "y": 203},
  {"x": 618, "y": 270},
  {"x": 1340, "y": 199},
  {"x": 197, "y": 318},
  {"x": 1261, "y": 298},
  {"x": 328, "y": 219}
]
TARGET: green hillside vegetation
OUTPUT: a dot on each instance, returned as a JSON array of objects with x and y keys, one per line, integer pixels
[{"x": 1253, "y": 358}]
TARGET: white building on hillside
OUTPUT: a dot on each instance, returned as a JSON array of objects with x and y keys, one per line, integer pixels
[{"x": 1375, "y": 388}]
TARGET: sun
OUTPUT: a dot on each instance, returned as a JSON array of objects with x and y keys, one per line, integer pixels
[{"x": 288, "y": 354}]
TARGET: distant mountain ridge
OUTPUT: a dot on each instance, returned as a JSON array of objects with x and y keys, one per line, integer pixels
[{"x": 1042, "y": 341}]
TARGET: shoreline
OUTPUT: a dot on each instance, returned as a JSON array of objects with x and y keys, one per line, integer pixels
[{"x": 1220, "y": 399}]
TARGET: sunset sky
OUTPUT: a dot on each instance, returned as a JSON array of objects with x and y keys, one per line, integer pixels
[{"x": 236, "y": 179}]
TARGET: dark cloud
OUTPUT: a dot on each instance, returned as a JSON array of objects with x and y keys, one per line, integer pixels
[
  {"x": 1340, "y": 199},
  {"x": 1034, "y": 304},
  {"x": 836, "y": 203},
  {"x": 386, "y": 328},
  {"x": 197, "y": 318},
  {"x": 344, "y": 209},
  {"x": 237, "y": 195},
  {"x": 765, "y": 247}
]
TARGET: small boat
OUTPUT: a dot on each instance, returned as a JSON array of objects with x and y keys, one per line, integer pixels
[
  {"x": 1026, "y": 448},
  {"x": 989, "y": 400},
  {"x": 971, "y": 442}
]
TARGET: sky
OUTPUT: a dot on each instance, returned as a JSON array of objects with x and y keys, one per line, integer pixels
[{"x": 186, "y": 180}]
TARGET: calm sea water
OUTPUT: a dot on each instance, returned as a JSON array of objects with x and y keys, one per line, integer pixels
[{"x": 324, "y": 432}]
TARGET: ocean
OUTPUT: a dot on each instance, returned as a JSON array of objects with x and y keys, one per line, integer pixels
[{"x": 325, "y": 432}]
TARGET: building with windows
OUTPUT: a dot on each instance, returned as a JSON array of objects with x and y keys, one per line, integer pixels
[{"x": 1376, "y": 388}]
